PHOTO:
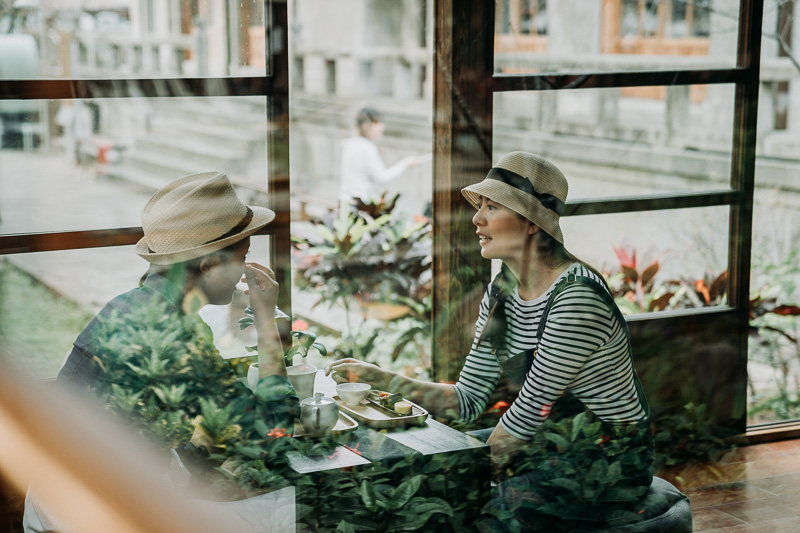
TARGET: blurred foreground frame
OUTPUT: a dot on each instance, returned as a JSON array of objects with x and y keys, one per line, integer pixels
[{"x": 91, "y": 472}]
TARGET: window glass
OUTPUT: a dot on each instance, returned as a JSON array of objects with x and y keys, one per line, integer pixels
[
  {"x": 775, "y": 277},
  {"x": 688, "y": 262},
  {"x": 775, "y": 298},
  {"x": 92, "y": 164},
  {"x": 617, "y": 142},
  {"x": 616, "y": 35},
  {"x": 164, "y": 39},
  {"x": 49, "y": 297},
  {"x": 773, "y": 372},
  {"x": 361, "y": 127}
]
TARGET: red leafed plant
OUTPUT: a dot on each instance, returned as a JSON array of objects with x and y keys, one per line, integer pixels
[
  {"x": 636, "y": 289},
  {"x": 634, "y": 283}
]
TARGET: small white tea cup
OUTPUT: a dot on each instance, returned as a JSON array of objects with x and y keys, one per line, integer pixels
[{"x": 353, "y": 393}]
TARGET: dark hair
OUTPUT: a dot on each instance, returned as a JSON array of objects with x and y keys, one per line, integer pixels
[
  {"x": 552, "y": 252},
  {"x": 367, "y": 114}
]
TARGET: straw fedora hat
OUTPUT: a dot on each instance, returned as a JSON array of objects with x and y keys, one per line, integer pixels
[
  {"x": 194, "y": 216},
  {"x": 519, "y": 181}
]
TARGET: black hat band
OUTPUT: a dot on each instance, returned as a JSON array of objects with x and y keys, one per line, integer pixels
[{"x": 524, "y": 184}]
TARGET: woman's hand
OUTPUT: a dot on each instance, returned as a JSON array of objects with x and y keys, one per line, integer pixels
[
  {"x": 504, "y": 447},
  {"x": 352, "y": 370},
  {"x": 263, "y": 292}
]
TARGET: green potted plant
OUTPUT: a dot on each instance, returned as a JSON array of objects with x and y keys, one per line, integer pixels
[
  {"x": 367, "y": 258},
  {"x": 301, "y": 375}
]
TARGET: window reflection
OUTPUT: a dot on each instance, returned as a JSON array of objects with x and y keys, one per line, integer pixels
[
  {"x": 621, "y": 35},
  {"x": 624, "y": 141},
  {"x": 686, "y": 262},
  {"x": 85, "y": 40},
  {"x": 90, "y": 164}
]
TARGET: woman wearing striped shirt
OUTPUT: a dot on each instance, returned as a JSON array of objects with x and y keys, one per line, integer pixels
[{"x": 550, "y": 325}]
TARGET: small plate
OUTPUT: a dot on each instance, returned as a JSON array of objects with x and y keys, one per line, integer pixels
[
  {"x": 345, "y": 424},
  {"x": 375, "y": 415}
]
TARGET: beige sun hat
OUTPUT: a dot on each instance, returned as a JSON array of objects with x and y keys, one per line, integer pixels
[
  {"x": 519, "y": 181},
  {"x": 194, "y": 216}
]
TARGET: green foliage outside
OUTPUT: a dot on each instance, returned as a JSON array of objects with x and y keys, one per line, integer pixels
[
  {"x": 372, "y": 260},
  {"x": 37, "y": 326}
]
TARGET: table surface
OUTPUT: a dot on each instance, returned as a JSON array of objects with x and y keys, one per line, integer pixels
[{"x": 366, "y": 445}]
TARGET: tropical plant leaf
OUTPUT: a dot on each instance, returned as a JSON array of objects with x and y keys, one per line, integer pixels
[
  {"x": 405, "y": 491},
  {"x": 786, "y": 310},
  {"x": 630, "y": 274},
  {"x": 368, "y": 497},
  {"x": 320, "y": 348},
  {"x": 558, "y": 440},
  {"x": 305, "y": 338},
  {"x": 660, "y": 303},
  {"x": 648, "y": 276}
]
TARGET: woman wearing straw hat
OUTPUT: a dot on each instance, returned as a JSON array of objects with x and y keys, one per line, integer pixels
[
  {"x": 549, "y": 324},
  {"x": 196, "y": 236}
]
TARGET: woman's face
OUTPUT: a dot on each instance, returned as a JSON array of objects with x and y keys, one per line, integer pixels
[
  {"x": 502, "y": 233},
  {"x": 219, "y": 279},
  {"x": 373, "y": 130}
]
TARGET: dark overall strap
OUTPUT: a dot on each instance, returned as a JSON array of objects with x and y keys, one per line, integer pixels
[{"x": 566, "y": 282}]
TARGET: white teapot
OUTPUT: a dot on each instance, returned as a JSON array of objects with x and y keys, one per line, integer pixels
[{"x": 318, "y": 414}]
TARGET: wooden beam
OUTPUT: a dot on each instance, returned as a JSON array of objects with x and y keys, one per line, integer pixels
[
  {"x": 276, "y": 26},
  {"x": 120, "y": 88},
  {"x": 743, "y": 164},
  {"x": 462, "y": 148},
  {"x": 595, "y": 80},
  {"x": 652, "y": 202},
  {"x": 75, "y": 240}
]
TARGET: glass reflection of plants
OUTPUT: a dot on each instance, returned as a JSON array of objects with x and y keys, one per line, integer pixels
[
  {"x": 584, "y": 478},
  {"x": 305, "y": 339},
  {"x": 167, "y": 379},
  {"x": 370, "y": 260}
]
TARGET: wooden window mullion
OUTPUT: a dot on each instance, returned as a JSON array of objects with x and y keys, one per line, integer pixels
[{"x": 462, "y": 121}]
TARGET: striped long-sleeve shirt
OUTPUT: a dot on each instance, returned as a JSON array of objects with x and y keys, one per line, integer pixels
[{"x": 583, "y": 349}]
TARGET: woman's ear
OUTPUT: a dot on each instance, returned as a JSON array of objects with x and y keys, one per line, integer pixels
[
  {"x": 208, "y": 262},
  {"x": 533, "y": 228}
]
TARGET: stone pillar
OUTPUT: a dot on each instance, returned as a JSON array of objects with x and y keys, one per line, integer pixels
[
  {"x": 217, "y": 37},
  {"x": 161, "y": 31},
  {"x": 573, "y": 31},
  {"x": 574, "y": 27},
  {"x": 677, "y": 112},
  {"x": 723, "y": 30},
  {"x": 767, "y": 93},
  {"x": 793, "y": 111}
]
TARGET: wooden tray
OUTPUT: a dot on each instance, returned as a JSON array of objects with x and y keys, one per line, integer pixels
[
  {"x": 345, "y": 424},
  {"x": 374, "y": 415}
]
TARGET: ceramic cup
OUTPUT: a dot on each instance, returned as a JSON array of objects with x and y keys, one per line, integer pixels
[
  {"x": 252, "y": 376},
  {"x": 300, "y": 376},
  {"x": 353, "y": 393}
]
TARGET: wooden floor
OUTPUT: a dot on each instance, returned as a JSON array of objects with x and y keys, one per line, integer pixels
[{"x": 752, "y": 489}]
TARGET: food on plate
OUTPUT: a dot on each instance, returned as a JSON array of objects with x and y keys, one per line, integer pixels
[
  {"x": 386, "y": 399},
  {"x": 402, "y": 408}
]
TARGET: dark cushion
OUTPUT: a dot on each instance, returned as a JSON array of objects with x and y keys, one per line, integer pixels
[{"x": 665, "y": 509}]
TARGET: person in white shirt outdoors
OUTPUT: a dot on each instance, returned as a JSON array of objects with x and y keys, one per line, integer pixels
[
  {"x": 363, "y": 172},
  {"x": 549, "y": 324}
]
